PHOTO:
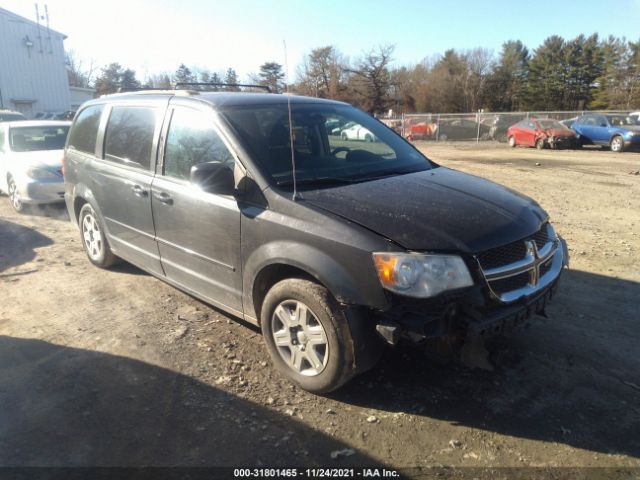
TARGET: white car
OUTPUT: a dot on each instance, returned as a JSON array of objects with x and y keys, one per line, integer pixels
[
  {"x": 357, "y": 132},
  {"x": 31, "y": 161}
]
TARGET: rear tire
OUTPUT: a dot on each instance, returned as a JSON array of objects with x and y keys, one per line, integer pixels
[
  {"x": 368, "y": 138},
  {"x": 309, "y": 338},
  {"x": 94, "y": 240},
  {"x": 512, "y": 141},
  {"x": 617, "y": 144}
]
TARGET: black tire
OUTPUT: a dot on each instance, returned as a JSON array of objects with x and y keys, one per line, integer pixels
[
  {"x": 14, "y": 196},
  {"x": 368, "y": 138},
  {"x": 617, "y": 144},
  {"x": 98, "y": 251},
  {"x": 540, "y": 144},
  {"x": 346, "y": 346},
  {"x": 343, "y": 136},
  {"x": 512, "y": 141},
  {"x": 443, "y": 137}
]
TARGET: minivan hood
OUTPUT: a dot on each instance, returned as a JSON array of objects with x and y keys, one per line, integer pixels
[{"x": 437, "y": 209}]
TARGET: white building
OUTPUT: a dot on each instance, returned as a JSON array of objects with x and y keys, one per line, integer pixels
[{"x": 33, "y": 76}]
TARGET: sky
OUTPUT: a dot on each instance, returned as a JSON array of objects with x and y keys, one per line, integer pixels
[{"x": 153, "y": 36}]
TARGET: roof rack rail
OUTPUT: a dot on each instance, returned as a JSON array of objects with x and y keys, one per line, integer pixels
[
  {"x": 215, "y": 84},
  {"x": 138, "y": 89}
]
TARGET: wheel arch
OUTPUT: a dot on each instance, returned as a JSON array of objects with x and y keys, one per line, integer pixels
[
  {"x": 82, "y": 195},
  {"x": 273, "y": 262}
]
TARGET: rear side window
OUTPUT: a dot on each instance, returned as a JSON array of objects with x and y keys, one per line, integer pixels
[
  {"x": 129, "y": 138},
  {"x": 191, "y": 140},
  {"x": 85, "y": 129}
]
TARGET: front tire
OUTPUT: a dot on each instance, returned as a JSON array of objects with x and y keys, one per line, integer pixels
[
  {"x": 14, "y": 196},
  {"x": 94, "y": 240},
  {"x": 308, "y": 335},
  {"x": 617, "y": 144},
  {"x": 540, "y": 145},
  {"x": 512, "y": 141}
]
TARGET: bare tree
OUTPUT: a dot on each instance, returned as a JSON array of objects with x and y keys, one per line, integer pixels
[
  {"x": 322, "y": 73},
  {"x": 370, "y": 79},
  {"x": 479, "y": 62},
  {"x": 77, "y": 73}
]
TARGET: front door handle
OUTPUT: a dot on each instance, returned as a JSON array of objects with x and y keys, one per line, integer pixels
[
  {"x": 164, "y": 198},
  {"x": 139, "y": 191}
]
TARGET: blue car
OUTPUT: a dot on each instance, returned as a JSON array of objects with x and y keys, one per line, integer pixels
[{"x": 620, "y": 132}]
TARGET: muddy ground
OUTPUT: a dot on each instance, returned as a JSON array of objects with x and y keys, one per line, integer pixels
[{"x": 118, "y": 368}]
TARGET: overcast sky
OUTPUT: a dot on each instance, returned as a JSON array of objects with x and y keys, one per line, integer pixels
[{"x": 152, "y": 36}]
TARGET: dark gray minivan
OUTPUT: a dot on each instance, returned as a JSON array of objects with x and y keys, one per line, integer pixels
[{"x": 333, "y": 243}]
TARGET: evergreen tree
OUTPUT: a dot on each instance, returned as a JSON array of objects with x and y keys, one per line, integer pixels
[
  {"x": 128, "y": 80},
  {"x": 507, "y": 84},
  {"x": 231, "y": 78},
  {"x": 109, "y": 79},
  {"x": 546, "y": 82},
  {"x": 271, "y": 75},
  {"x": 183, "y": 75}
]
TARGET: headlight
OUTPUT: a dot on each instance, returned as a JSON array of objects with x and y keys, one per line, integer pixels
[
  {"x": 41, "y": 174},
  {"x": 421, "y": 276}
]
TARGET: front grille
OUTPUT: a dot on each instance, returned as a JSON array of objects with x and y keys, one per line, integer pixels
[
  {"x": 503, "y": 255},
  {"x": 541, "y": 237},
  {"x": 509, "y": 284},
  {"x": 516, "y": 269}
]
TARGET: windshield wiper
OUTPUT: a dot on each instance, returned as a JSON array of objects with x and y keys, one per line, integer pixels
[
  {"x": 386, "y": 173},
  {"x": 317, "y": 181}
]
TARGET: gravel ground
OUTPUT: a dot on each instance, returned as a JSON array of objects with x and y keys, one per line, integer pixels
[{"x": 118, "y": 368}]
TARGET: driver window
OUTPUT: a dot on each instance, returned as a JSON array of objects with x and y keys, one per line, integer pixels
[{"x": 192, "y": 139}]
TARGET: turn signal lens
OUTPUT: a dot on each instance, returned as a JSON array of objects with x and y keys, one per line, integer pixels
[{"x": 385, "y": 265}]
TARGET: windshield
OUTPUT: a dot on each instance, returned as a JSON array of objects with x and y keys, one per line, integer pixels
[
  {"x": 551, "y": 124},
  {"x": 331, "y": 143},
  {"x": 620, "y": 120},
  {"x": 30, "y": 139}
]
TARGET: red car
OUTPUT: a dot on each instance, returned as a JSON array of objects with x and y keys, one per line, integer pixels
[
  {"x": 541, "y": 134},
  {"x": 417, "y": 130}
]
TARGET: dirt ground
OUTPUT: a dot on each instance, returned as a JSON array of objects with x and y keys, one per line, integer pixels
[{"x": 118, "y": 368}]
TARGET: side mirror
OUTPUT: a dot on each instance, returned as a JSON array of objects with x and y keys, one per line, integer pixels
[{"x": 213, "y": 177}]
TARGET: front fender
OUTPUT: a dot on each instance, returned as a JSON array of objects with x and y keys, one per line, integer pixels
[{"x": 345, "y": 286}]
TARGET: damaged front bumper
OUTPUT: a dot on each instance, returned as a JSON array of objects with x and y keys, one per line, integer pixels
[{"x": 475, "y": 312}]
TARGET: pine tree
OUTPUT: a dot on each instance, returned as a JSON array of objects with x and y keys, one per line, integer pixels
[{"x": 271, "y": 75}]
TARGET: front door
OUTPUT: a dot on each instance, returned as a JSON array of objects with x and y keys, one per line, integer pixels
[
  {"x": 198, "y": 233},
  {"x": 601, "y": 130}
]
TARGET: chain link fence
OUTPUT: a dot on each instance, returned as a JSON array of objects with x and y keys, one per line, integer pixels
[{"x": 481, "y": 126}]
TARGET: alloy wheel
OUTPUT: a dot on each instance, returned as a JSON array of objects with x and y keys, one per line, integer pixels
[
  {"x": 14, "y": 195},
  {"x": 92, "y": 236},
  {"x": 300, "y": 338},
  {"x": 616, "y": 144}
]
